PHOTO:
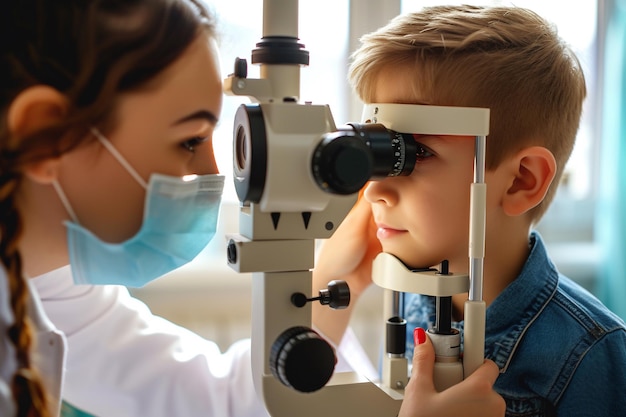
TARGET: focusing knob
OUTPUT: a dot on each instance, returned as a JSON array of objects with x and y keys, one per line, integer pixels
[
  {"x": 342, "y": 163},
  {"x": 336, "y": 296},
  {"x": 302, "y": 360}
]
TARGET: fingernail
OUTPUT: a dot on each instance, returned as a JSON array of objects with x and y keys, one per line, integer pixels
[{"x": 419, "y": 336}]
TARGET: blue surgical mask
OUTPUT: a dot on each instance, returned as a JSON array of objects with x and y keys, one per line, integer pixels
[{"x": 180, "y": 218}]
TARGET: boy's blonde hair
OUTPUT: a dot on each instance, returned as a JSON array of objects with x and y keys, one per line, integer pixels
[{"x": 507, "y": 59}]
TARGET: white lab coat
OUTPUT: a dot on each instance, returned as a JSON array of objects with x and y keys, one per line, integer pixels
[
  {"x": 123, "y": 361},
  {"x": 48, "y": 350}
]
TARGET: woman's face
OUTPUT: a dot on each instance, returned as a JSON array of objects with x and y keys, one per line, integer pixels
[{"x": 164, "y": 128}]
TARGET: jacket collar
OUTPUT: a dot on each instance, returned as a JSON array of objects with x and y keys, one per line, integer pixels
[{"x": 519, "y": 305}]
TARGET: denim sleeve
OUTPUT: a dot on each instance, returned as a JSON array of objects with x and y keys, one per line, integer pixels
[{"x": 598, "y": 385}]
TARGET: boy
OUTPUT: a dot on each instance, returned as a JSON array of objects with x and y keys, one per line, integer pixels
[{"x": 559, "y": 350}]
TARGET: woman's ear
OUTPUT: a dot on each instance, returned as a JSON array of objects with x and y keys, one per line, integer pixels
[
  {"x": 35, "y": 109},
  {"x": 533, "y": 169}
]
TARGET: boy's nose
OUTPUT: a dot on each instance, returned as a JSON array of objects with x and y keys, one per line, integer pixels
[{"x": 381, "y": 192}]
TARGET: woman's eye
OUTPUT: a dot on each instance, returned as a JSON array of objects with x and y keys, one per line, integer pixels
[
  {"x": 422, "y": 152},
  {"x": 192, "y": 143}
]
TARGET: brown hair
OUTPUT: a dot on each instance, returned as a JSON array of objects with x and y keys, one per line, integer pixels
[
  {"x": 507, "y": 59},
  {"x": 90, "y": 51}
]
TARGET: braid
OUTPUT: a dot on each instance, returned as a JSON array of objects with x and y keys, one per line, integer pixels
[{"x": 27, "y": 386}]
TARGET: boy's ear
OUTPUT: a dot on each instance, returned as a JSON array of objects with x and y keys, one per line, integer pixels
[
  {"x": 533, "y": 170},
  {"x": 34, "y": 109}
]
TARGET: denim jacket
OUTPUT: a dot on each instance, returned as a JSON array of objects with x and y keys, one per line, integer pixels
[{"x": 559, "y": 350}]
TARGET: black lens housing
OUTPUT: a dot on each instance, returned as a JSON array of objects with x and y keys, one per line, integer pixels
[{"x": 346, "y": 159}]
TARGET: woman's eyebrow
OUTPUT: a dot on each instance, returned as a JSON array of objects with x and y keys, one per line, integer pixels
[{"x": 200, "y": 114}]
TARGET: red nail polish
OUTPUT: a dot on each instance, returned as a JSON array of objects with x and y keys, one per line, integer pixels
[{"x": 419, "y": 336}]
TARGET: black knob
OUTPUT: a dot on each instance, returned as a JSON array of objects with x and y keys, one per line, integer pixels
[
  {"x": 241, "y": 68},
  {"x": 231, "y": 252},
  {"x": 396, "y": 335},
  {"x": 337, "y": 295},
  {"x": 302, "y": 360}
]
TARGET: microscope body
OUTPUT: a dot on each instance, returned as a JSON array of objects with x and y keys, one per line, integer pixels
[{"x": 293, "y": 367}]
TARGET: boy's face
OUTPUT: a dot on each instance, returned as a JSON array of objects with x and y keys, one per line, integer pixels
[{"x": 423, "y": 218}]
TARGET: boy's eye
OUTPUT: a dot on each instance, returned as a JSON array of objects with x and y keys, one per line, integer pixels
[
  {"x": 422, "y": 152},
  {"x": 192, "y": 143}
]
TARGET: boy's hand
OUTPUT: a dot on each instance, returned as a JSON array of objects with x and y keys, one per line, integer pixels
[
  {"x": 349, "y": 253},
  {"x": 347, "y": 256},
  {"x": 472, "y": 397}
]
